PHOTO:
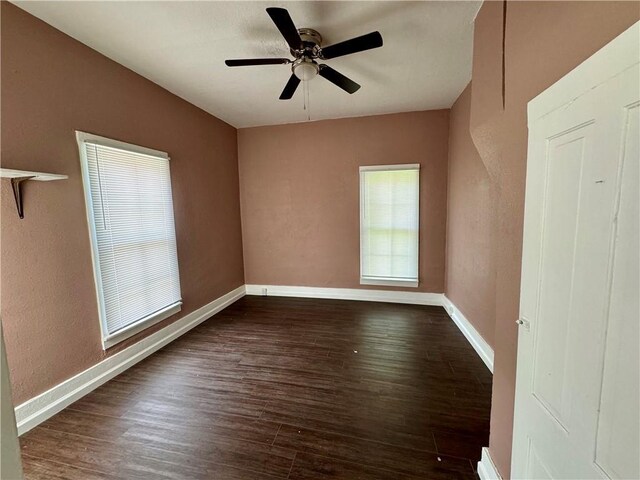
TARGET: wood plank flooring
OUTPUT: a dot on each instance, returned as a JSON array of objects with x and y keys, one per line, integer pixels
[{"x": 283, "y": 388}]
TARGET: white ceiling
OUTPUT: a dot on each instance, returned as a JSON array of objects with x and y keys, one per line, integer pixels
[{"x": 424, "y": 64}]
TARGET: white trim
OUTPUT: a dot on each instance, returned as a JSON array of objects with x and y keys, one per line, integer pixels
[
  {"x": 142, "y": 324},
  {"x": 361, "y": 294},
  {"x": 482, "y": 348},
  {"x": 38, "y": 409},
  {"x": 389, "y": 282},
  {"x": 486, "y": 468},
  {"x": 83, "y": 137},
  {"x": 88, "y": 204},
  {"x": 595, "y": 70},
  {"x": 390, "y": 168}
]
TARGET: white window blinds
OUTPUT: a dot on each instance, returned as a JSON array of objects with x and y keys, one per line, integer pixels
[
  {"x": 130, "y": 211},
  {"x": 389, "y": 224}
]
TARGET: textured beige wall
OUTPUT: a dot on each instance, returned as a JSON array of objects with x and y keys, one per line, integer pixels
[
  {"x": 471, "y": 274},
  {"x": 544, "y": 41},
  {"x": 51, "y": 86},
  {"x": 299, "y": 185}
]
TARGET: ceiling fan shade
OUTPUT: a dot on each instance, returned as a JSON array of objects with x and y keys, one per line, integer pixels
[
  {"x": 290, "y": 88},
  {"x": 245, "y": 62},
  {"x": 355, "y": 45},
  {"x": 283, "y": 21},
  {"x": 306, "y": 46},
  {"x": 305, "y": 70},
  {"x": 338, "y": 79}
]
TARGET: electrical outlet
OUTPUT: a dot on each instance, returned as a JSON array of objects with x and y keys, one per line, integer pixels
[{"x": 264, "y": 292}]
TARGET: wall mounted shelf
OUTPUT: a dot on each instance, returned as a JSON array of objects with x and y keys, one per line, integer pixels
[{"x": 18, "y": 177}]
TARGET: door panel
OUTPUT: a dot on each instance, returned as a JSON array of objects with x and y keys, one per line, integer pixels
[
  {"x": 535, "y": 467},
  {"x": 618, "y": 445},
  {"x": 565, "y": 159}
]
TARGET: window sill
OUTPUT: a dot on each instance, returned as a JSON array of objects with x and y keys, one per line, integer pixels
[
  {"x": 389, "y": 282},
  {"x": 142, "y": 324}
]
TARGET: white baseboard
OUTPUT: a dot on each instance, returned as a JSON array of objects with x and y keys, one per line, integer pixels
[
  {"x": 391, "y": 296},
  {"x": 486, "y": 468},
  {"x": 482, "y": 348},
  {"x": 36, "y": 410}
]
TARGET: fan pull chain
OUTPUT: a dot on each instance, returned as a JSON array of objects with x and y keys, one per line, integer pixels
[{"x": 307, "y": 104}]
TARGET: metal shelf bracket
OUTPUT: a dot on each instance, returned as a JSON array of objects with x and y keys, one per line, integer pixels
[
  {"x": 18, "y": 177},
  {"x": 16, "y": 184}
]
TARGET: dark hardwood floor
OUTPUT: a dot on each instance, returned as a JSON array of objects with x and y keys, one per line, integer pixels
[{"x": 283, "y": 388}]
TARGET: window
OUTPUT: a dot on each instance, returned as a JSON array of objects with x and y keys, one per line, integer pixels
[
  {"x": 130, "y": 215},
  {"x": 389, "y": 222}
]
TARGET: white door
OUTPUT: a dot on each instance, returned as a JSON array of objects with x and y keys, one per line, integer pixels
[{"x": 577, "y": 399}]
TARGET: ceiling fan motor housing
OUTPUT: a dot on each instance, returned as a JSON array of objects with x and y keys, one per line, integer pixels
[
  {"x": 311, "y": 42},
  {"x": 304, "y": 66}
]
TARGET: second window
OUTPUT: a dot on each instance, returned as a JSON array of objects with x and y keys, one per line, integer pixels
[{"x": 389, "y": 225}]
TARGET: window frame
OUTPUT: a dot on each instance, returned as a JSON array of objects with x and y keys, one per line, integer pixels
[
  {"x": 111, "y": 339},
  {"x": 388, "y": 281}
]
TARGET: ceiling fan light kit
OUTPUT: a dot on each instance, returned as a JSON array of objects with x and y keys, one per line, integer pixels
[
  {"x": 305, "y": 69},
  {"x": 305, "y": 45}
]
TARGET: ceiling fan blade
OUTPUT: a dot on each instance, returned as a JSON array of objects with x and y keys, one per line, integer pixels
[
  {"x": 256, "y": 61},
  {"x": 283, "y": 21},
  {"x": 338, "y": 79},
  {"x": 355, "y": 45},
  {"x": 290, "y": 88}
]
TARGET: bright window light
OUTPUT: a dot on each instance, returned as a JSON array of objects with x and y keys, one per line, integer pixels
[{"x": 389, "y": 225}]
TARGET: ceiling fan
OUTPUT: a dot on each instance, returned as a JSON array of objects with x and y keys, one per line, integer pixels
[{"x": 306, "y": 46}]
